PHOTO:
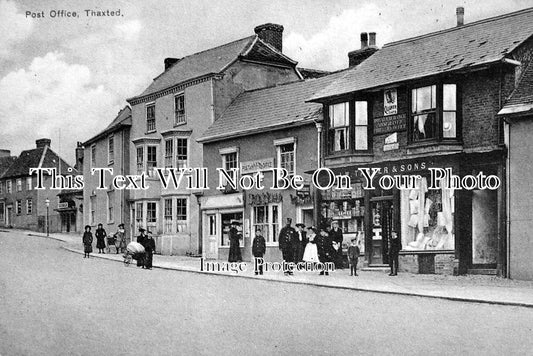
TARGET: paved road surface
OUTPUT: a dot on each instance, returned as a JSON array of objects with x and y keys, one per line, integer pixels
[{"x": 54, "y": 302}]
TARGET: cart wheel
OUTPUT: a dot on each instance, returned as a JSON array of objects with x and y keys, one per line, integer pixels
[{"x": 127, "y": 260}]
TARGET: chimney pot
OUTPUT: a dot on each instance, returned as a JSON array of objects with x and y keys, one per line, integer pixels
[
  {"x": 272, "y": 34},
  {"x": 43, "y": 142},
  {"x": 372, "y": 39},
  {"x": 364, "y": 40},
  {"x": 460, "y": 11}
]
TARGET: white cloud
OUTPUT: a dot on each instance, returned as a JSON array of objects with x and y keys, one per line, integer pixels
[
  {"x": 49, "y": 96},
  {"x": 128, "y": 30},
  {"x": 14, "y": 27}
]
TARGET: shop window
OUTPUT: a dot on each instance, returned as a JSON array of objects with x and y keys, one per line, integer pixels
[
  {"x": 179, "y": 109},
  {"x": 339, "y": 127},
  {"x": 181, "y": 214},
  {"x": 150, "y": 118},
  {"x": 227, "y": 218},
  {"x": 427, "y": 218},
  {"x": 267, "y": 218},
  {"x": 168, "y": 216},
  {"x": 434, "y": 112}
]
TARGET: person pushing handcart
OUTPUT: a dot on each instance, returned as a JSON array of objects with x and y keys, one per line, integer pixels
[{"x": 134, "y": 251}]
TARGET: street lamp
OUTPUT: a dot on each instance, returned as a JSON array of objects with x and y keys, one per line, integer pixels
[{"x": 47, "y": 202}]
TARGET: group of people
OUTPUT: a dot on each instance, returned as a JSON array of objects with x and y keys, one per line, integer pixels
[
  {"x": 147, "y": 241},
  {"x": 118, "y": 239}
]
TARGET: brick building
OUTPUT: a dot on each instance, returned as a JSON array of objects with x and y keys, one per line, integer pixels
[
  {"x": 23, "y": 206},
  {"x": 262, "y": 129},
  {"x": 108, "y": 149},
  {"x": 175, "y": 109},
  {"x": 518, "y": 116},
  {"x": 428, "y": 102}
]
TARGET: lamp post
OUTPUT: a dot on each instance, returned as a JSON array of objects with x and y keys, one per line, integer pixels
[{"x": 47, "y": 202}]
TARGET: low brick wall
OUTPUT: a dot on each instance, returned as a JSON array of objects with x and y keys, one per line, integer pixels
[{"x": 427, "y": 263}]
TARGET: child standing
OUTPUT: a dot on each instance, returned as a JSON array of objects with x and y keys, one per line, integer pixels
[
  {"x": 87, "y": 241},
  {"x": 259, "y": 248},
  {"x": 353, "y": 255}
]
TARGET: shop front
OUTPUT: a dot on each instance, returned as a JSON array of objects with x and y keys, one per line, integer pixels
[{"x": 444, "y": 229}]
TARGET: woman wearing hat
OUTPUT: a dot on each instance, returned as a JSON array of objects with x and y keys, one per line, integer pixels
[
  {"x": 100, "y": 238},
  {"x": 311, "y": 251},
  {"x": 234, "y": 248},
  {"x": 87, "y": 241}
]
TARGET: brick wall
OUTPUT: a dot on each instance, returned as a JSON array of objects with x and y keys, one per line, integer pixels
[{"x": 443, "y": 263}]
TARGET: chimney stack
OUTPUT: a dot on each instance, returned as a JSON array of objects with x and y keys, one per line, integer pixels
[
  {"x": 43, "y": 142},
  {"x": 5, "y": 153},
  {"x": 272, "y": 34},
  {"x": 460, "y": 16},
  {"x": 371, "y": 39},
  {"x": 364, "y": 40},
  {"x": 169, "y": 62}
]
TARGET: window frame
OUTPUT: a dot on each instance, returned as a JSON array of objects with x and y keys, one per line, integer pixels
[
  {"x": 29, "y": 206},
  {"x": 150, "y": 117},
  {"x": 93, "y": 155},
  {"x": 110, "y": 149},
  {"x": 439, "y": 112},
  {"x": 224, "y": 153},
  {"x": 18, "y": 206},
  {"x": 110, "y": 206},
  {"x": 29, "y": 183},
  {"x": 9, "y": 186},
  {"x": 18, "y": 185},
  {"x": 180, "y": 114},
  {"x": 271, "y": 237},
  {"x": 279, "y": 155}
]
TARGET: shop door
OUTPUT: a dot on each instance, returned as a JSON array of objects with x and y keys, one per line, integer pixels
[
  {"x": 210, "y": 229},
  {"x": 381, "y": 223},
  {"x": 8, "y": 215}
]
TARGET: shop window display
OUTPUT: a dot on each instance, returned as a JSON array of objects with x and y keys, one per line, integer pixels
[{"x": 427, "y": 218}]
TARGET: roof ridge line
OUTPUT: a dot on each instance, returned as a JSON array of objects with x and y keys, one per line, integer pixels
[{"x": 498, "y": 17}]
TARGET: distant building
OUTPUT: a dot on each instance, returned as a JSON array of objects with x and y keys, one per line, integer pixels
[
  {"x": 108, "y": 149},
  {"x": 175, "y": 109},
  {"x": 25, "y": 207}
]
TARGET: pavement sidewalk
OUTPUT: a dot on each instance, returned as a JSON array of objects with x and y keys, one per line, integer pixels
[{"x": 471, "y": 288}]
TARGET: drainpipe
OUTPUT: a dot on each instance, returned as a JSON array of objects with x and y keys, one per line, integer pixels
[
  {"x": 316, "y": 198},
  {"x": 507, "y": 141}
]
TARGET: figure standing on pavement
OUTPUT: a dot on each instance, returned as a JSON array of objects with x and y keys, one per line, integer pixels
[
  {"x": 301, "y": 241},
  {"x": 325, "y": 249},
  {"x": 140, "y": 239},
  {"x": 335, "y": 235},
  {"x": 353, "y": 255},
  {"x": 311, "y": 252},
  {"x": 394, "y": 251},
  {"x": 120, "y": 239},
  {"x": 234, "y": 243},
  {"x": 100, "y": 238},
  {"x": 259, "y": 248},
  {"x": 287, "y": 242},
  {"x": 149, "y": 248},
  {"x": 87, "y": 241}
]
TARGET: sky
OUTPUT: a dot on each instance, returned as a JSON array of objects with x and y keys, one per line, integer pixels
[{"x": 66, "y": 78}]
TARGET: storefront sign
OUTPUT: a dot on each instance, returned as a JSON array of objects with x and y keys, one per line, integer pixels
[
  {"x": 391, "y": 146},
  {"x": 257, "y": 165},
  {"x": 390, "y": 102},
  {"x": 393, "y": 123},
  {"x": 264, "y": 198},
  {"x": 393, "y": 138},
  {"x": 62, "y": 205}
]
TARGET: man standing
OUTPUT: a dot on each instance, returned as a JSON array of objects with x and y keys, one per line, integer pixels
[
  {"x": 287, "y": 239},
  {"x": 149, "y": 247},
  {"x": 140, "y": 239},
  {"x": 394, "y": 250},
  {"x": 301, "y": 241},
  {"x": 335, "y": 235},
  {"x": 259, "y": 248},
  {"x": 234, "y": 243},
  {"x": 324, "y": 248}
]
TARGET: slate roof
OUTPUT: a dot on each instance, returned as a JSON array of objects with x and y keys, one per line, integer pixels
[
  {"x": 32, "y": 159},
  {"x": 213, "y": 61},
  {"x": 477, "y": 43},
  {"x": 269, "y": 108},
  {"x": 122, "y": 119},
  {"x": 5, "y": 163},
  {"x": 521, "y": 100}
]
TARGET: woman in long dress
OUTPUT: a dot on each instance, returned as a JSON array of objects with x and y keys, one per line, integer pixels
[
  {"x": 87, "y": 241},
  {"x": 100, "y": 238},
  {"x": 311, "y": 252},
  {"x": 234, "y": 248}
]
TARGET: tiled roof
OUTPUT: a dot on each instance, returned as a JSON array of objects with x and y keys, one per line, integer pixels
[
  {"x": 521, "y": 100},
  {"x": 32, "y": 159},
  {"x": 214, "y": 60},
  {"x": 477, "y": 43},
  {"x": 272, "y": 107},
  {"x": 5, "y": 163},
  {"x": 123, "y": 119}
]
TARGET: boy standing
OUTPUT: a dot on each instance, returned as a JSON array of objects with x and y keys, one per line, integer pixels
[
  {"x": 259, "y": 248},
  {"x": 353, "y": 255}
]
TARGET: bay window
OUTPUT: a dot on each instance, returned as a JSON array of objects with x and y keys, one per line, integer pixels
[
  {"x": 361, "y": 126},
  {"x": 339, "y": 126}
]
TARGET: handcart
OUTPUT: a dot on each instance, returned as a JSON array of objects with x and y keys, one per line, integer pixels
[{"x": 134, "y": 251}]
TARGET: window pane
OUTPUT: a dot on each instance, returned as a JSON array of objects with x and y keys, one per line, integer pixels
[
  {"x": 181, "y": 153},
  {"x": 449, "y": 97},
  {"x": 361, "y": 113},
  {"x": 341, "y": 139},
  {"x": 449, "y": 127},
  {"x": 424, "y": 98},
  {"x": 339, "y": 115},
  {"x": 361, "y": 138},
  {"x": 423, "y": 126}
]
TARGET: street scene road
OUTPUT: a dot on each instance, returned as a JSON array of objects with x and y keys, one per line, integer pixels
[{"x": 55, "y": 302}]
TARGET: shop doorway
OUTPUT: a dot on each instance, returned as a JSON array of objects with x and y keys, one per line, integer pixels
[
  {"x": 381, "y": 225},
  {"x": 210, "y": 228},
  {"x": 484, "y": 229},
  {"x": 8, "y": 215}
]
